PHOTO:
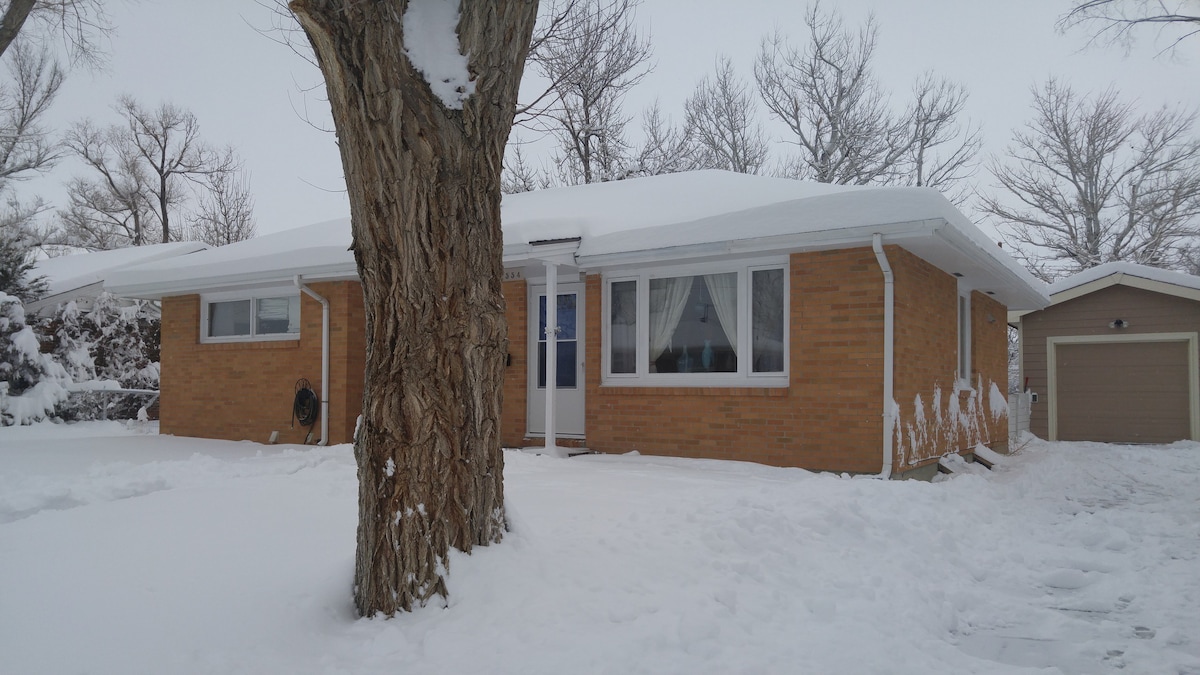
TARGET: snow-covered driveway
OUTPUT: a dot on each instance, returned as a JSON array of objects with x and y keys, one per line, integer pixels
[{"x": 127, "y": 552}]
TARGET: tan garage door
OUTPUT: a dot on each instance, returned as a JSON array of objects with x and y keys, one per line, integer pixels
[{"x": 1123, "y": 392}]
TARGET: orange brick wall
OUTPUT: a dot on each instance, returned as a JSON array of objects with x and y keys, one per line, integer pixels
[
  {"x": 828, "y": 418},
  {"x": 512, "y": 419},
  {"x": 945, "y": 418},
  {"x": 830, "y": 415},
  {"x": 989, "y": 364},
  {"x": 244, "y": 391}
]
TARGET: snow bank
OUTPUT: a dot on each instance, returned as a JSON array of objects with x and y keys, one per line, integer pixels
[{"x": 161, "y": 554}]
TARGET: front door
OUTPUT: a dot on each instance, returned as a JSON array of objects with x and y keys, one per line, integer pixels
[{"x": 569, "y": 389}]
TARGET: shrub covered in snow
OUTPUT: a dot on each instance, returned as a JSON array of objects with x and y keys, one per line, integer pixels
[
  {"x": 112, "y": 346},
  {"x": 16, "y": 264},
  {"x": 32, "y": 384}
]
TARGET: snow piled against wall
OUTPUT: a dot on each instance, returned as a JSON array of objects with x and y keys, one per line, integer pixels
[{"x": 947, "y": 424}]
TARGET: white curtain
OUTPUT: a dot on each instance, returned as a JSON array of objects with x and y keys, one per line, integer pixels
[
  {"x": 722, "y": 288},
  {"x": 668, "y": 297}
]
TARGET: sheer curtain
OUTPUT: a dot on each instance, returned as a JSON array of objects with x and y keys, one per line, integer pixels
[
  {"x": 722, "y": 288},
  {"x": 668, "y": 297}
]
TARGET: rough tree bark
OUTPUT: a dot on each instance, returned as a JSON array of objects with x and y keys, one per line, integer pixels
[{"x": 424, "y": 188}]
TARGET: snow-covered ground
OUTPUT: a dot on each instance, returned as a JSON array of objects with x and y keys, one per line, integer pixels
[{"x": 126, "y": 552}]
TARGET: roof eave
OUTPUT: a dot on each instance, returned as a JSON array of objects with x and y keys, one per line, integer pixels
[
  {"x": 1016, "y": 289},
  {"x": 157, "y": 290}
]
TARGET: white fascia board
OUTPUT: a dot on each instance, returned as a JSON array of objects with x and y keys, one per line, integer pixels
[
  {"x": 1122, "y": 279},
  {"x": 557, "y": 252},
  {"x": 517, "y": 254},
  {"x": 156, "y": 290},
  {"x": 803, "y": 241}
]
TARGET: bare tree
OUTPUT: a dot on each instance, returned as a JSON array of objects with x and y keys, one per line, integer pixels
[
  {"x": 829, "y": 99},
  {"x": 519, "y": 175},
  {"x": 941, "y": 151},
  {"x": 666, "y": 148},
  {"x": 1115, "y": 20},
  {"x": 721, "y": 118},
  {"x": 842, "y": 121},
  {"x": 423, "y": 174},
  {"x": 226, "y": 213},
  {"x": 167, "y": 141},
  {"x": 144, "y": 172},
  {"x": 80, "y": 23},
  {"x": 1088, "y": 181},
  {"x": 25, "y": 145},
  {"x": 593, "y": 58},
  {"x": 112, "y": 209}
]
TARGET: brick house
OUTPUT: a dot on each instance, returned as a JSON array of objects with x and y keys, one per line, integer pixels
[
  {"x": 1114, "y": 358},
  {"x": 706, "y": 314}
]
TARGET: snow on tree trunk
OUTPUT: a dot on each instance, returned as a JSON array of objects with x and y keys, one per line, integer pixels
[{"x": 423, "y": 177}]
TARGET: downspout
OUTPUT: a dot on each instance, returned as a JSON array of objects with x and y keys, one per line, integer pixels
[
  {"x": 324, "y": 358},
  {"x": 889, "y": 352}
]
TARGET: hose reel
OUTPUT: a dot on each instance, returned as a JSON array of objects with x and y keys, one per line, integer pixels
[{"x": 306, "y": 407}]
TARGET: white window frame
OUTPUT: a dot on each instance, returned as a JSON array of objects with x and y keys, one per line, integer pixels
[
  {"x": 744, "y": 376},
  {"x": 962, "y": 329},
  {"x": 254, "y": 296}
]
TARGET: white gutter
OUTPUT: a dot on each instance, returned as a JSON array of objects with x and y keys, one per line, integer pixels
[
  {"x": 324, "y": 358},
  {"x": 889, "y": 352}
]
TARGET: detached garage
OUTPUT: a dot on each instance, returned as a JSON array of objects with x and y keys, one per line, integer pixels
[{"x": 1114, "y": 356}]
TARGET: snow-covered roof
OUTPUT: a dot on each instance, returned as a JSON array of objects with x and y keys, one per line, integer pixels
[
  {"x": 317, "y": 250},
  {"x": 646, "y": 204},
  {"x": 70, "y": 276},
  {"x": 673, "y": 217},
  {"x": 1126, "y": 269},
  {"x": 65, "y": 273},
  {"x": 1100, "y": 277}
]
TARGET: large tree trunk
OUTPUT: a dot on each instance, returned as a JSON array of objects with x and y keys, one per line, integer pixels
[{"x": 424, "y": 187}]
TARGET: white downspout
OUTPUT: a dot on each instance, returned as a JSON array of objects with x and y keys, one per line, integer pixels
[
  {"x": 889, "y": 352},
  {"x": 551, "y": 355},
  {"x": 324, "y": 358}
]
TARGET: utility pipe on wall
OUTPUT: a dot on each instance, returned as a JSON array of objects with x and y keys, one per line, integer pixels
[
  {"x": 324, "y": 358},
  {"x": 889, "y": 352}
]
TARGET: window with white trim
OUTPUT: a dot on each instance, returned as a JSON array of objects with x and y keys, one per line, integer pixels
[
  {"x": 964, "y": 337},
  {"x": 697, "y": 326},
  {"x": 271, "y": 315}
]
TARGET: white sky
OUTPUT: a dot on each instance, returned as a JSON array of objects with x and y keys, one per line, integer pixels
[{"x": 246, "y": 90}]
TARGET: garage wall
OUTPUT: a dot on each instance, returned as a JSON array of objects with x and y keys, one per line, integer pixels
[{"x": 1090, "y": 315}]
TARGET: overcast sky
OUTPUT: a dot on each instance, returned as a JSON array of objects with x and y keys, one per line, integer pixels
[{"x": 247, "y": 90}]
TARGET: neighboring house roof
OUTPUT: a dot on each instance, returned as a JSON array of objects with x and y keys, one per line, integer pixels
[
  {"x": 82, "y": 275},
  {"x": 673, "y": 217},
  {"x": 1147, "y": 278}
]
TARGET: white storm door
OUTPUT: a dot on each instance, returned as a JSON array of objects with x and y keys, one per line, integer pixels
[{"x": 569, "y": 390}]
